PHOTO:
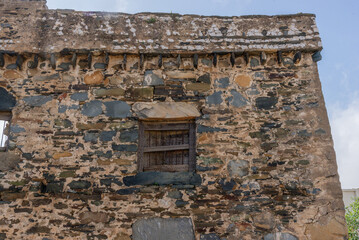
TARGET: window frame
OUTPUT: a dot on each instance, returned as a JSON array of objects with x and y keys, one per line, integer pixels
[
  {"x": 167, "y": 125},
  {"x": 5, "y": 116}
]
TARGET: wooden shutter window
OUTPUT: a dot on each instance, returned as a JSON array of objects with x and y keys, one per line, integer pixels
[{"x": 167, "y": 146}]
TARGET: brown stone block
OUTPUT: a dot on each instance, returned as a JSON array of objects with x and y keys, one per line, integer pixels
[
  {"x": 181, "y": 75},
  {"x": 95, "y": 217},
  {"x": 12, "y": 74},
  {"x": 8, "y": 197},
  {"x": 88, "y": 126},
  {"x": 109, "y": 92},
  {"x": 200, "y": 87},
  {"x": 94, "y": 78},
  {"x": 59, "y": 155},
  {"x": 121, "y": 162},
  {"x": 243, "y": 80}
]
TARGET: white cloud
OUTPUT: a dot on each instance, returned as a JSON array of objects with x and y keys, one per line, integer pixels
[
  {"x": 345, "y": 130},
  {"x": 122, "y": 5}
]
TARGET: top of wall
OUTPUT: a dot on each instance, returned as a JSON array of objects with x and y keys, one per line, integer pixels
[{"x": 28, "y": 26}]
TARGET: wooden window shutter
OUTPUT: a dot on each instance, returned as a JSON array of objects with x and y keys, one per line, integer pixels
[{"x": 167, "y": 146}]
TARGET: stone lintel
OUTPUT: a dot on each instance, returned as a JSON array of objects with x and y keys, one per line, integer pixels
[{"x": 165, "y": 110}]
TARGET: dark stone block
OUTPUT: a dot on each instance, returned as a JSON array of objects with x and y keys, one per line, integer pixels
[
  {"x": 160, "y": 228},
  {"x": 100, "y": 65},
  {"x": 64, "y": 66},
  {"x": 281, "y": 236},
  {"x": 254, "y": 62},
  {"x": 206, "y": 78},
  {"x": 40, "y": 202},
  {"x": 38, "y": 229},
  {"x": 266, "y": 103},
  {"x": 27, "y": 156},
  {"x": 304, "y": 133},
  {"x": 46, "y": 77},
  {"x": 222, "y": 82},
  {"x": 129, "y": 135},
  {"x": 152, "y": 79},
  {"x": 54, "y": 187},
  {"x": 108, "y": 181},
  {"x": 227, "y": 186},
  {"x": 106, "y": 136},
  {"x": 204, "y": 169},
  {"x": 81, "y": 96},
  {"x": 63, "y": 123},
  {"x": 37, "y": 101},
  {"x": 62, "y": 108},
  {"x": 127, "y": 191},
  {"x": 317, "y": 56},
  {"x": 163, "y": 178},
  {"x": 117, "y": 109},
  {"x": 210, "y": 236},
  {"x": 214, "y": 99},
  {"x": 181, "y": 203},
  {"x": 202, "y": 129},
  {"x": 92, "y": 108},
  {"x": 81, "y": 184},
  {"x": 16, "y": 129},
  {"x": 11, "y": 66},
  {"x": 108, "y": 154},
  {"x": 175, "y": 194},
  {"x": 7, "y": 100},
  {"x": 237, "y": 100},
  {"x": 91, "y": 137},
  {"x": 125, "y": 148}
]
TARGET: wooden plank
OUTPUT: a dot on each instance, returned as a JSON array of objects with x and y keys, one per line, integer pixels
[
  {"x": 168, "y": 168},
  {"x": 6, "y": 116},
  {"x": 166, "y": 148},
  {"x": 141, "y": 144},
  {"x": 192, "y": 148},
  {"x": 166, "y": 127}
]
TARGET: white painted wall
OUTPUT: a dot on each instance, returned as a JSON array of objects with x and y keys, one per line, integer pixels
[{"x": 349, "y": 195}]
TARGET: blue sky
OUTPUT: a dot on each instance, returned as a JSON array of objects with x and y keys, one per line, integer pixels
[{"x": 339, "y": 70}]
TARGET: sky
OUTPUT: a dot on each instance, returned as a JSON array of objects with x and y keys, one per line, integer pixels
[{"x": 339, "y": 69}]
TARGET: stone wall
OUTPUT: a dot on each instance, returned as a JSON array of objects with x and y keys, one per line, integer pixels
[{"x": 266, "y": 167}]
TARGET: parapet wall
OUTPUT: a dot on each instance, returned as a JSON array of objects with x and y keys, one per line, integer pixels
[
  {"x": 41, "y": 30},
  {"x": 265, "y": 163}
]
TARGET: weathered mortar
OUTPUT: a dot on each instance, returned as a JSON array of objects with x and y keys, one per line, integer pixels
[{"x": 266, "y": 166}]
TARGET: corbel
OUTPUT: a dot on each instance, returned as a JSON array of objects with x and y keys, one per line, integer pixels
[
  {"x": 19, "y": 61},
  {"x": 280, "y": 57},
  {"x": 2, "y": 60},
  {"x": 53, "y": 61},
  {"x": 74, "y": 60},
  {"x": 263, "y": 58},
  {"x": 297, "y": 57},
  {"x": 233, "y": 59},
  {"x": 89, "y": 60},
  {"x": 195, "y": 60},
  {"x": 178, "y": 60},
  {"x": 124, "y": 62},
  {"x": 246, "y": 57},
  {"x": 107, "y": 59},
  {"x": 33, "y": 64},
  {"x": 215, "y": 60},
  {"x": 317, "y": 56},
  {"x": 160, "y": 61},
  {"x": 142, "y": 60}
]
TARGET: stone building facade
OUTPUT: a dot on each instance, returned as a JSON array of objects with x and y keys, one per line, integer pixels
[{"x": 163, "y": 126}]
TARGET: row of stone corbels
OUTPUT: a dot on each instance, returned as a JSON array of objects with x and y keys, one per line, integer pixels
[{"x": 52, "y": 57}]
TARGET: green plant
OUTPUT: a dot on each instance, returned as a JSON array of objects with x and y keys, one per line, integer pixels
[
  {"x": 352, "y": 219},
  {"x": 151, "y": 20}
]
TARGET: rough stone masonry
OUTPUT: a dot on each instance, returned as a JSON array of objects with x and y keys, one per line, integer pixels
[{"x": 77, "y": 84}]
